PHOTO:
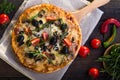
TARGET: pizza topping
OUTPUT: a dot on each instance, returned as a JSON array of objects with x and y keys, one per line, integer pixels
[
  {"x": 35, "y": 41},
  {"x": 63, "y": 27},
  {"x": 28, "y": 31},
  {"x": 28, "y": 43},
  {"x": 53, "y": 40},
  {"x": 20, "y": 38},
  {"x": 36, "y": 48},
  {"x": 67, "y": 42},
  {"x": 65, "y": 50},
  {"x": 40, "y": 21},
  {"x": 45, "y": 35},
  {"x": 20, "y": 43},
  {"x": 16, "y": 30},
  {"x": 44, "y": 48},
  {"x": 30, "y": 55},
  {"x": 56, "y": 48},
  {"x": 35, "y": 23},
  {"x": 51, "y": 56},
  {"x": 58, "y": 22},
  {"x": 50, "y": 18},
  {"x": 63, "y": 35}
]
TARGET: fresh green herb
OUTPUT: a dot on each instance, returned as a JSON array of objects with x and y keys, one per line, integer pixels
[
  {"x": 64, "y": 35},
  {"x": 6, "y": 7},
  {"x": 28, "y": 43},
  {"x": 63, "y": 27},
  {"x": 35, "y": 53},
  {"x": 41, "y": 41},
  {"x": 45, "y": 25},
  {"x": 33, "y": 17},
  {"x": 112, "y": 62}
]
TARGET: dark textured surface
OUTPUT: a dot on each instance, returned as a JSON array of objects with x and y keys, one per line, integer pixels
[{"x": 78, "y": 69}]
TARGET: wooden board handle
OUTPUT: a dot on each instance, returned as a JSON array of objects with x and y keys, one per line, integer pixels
[{"x": 79, "y": 14}]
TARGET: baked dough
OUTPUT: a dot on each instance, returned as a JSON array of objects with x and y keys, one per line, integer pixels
[{"x": 46, "y": 38}]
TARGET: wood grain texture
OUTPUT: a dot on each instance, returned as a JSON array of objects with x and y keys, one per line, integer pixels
[{"x": 78, "y": 69}]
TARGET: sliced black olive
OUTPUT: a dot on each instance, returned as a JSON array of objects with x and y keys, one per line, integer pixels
[
  {"x": 29, "y": 55},
  {"x": 44, "y": 48},
  {"x": 20, "y": 43},
  {"x": 20, "y": 38},
  {"x": 40, "y": 21},
  {"x": 53, "y": 40},
  {"x": 63, "y": 27},
  {"x": 35, "y": 23},
  {"x": 56, "y": 48},
  {"x": 65, "y": 50},
  {"x": 73, "y": 39}
]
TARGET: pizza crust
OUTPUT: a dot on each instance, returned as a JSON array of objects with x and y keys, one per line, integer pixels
[{"x": 74, "y": 30}]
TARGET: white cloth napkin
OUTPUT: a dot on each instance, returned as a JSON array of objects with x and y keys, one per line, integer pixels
[{"x": 87, "y": 25}]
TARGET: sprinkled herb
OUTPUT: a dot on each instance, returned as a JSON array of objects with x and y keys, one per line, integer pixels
[
  {"x": 112, "y": 62},
  {"x": 64, "y": 35}
]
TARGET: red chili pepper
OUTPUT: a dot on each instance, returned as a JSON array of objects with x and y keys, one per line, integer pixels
[{"x": 104, "y": 27}]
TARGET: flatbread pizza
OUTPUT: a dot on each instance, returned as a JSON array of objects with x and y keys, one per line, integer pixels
[{"x": 46, "y": 38}]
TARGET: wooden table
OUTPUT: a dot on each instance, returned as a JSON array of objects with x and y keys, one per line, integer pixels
[{"x": 78, "y": 69}]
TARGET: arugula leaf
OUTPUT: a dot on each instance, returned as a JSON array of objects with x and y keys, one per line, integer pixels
[{"x": 112, "y": 62}]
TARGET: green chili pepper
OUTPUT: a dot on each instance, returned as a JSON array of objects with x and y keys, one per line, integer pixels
[{"x": 111, "y": 39}]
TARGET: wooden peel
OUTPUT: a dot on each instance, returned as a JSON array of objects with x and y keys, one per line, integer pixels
[{"x": 79, "y": 14}]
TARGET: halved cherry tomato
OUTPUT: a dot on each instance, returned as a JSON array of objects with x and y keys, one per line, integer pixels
[
  {"x": 67, "y": 42},
  {"x": 4, "y": 18},
  {"x": 50, "y": 18},
  {"x": 45, "y": 35},
  {"x": 35, "y": 41},
  {"x": 84, "y": 51},
  {"x": 95, "y": 43},
  {"x": 94, "y": 72}
]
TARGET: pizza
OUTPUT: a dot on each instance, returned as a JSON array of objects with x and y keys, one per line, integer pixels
[{"x": 46, "y": 38}]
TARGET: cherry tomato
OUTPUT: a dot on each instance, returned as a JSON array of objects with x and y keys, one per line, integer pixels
[
  {"x": 35, "y": 41},
  {"x": 94, "y": 72},
  {"x": 45, "y": 35},
  {"x": 50, "y": 18},
  {"x": 67, "y": 42},
  {"x": 84, "y": 51},
  {"x": 95, "y": 43},
  {"x": 3, "y": 18}
]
